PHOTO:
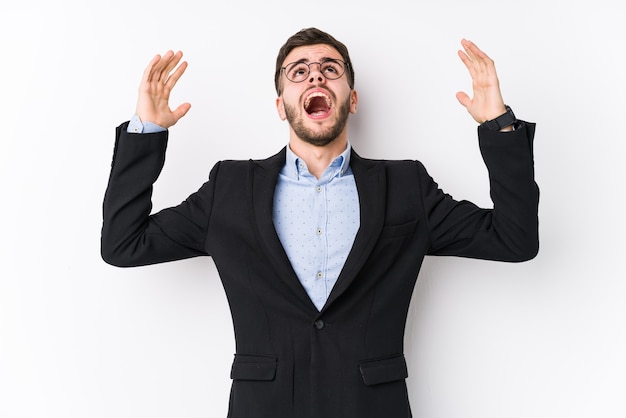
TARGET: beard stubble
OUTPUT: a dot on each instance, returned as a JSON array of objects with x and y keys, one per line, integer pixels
[{"x": 321, "y": 138}]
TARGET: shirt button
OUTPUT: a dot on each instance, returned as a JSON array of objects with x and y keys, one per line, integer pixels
[
  {"x": 319, "y": 231},
  {"x": 319, "y": 324},
  {"x": 318, "y": 188},
  {"x": 319, "y": 274}
]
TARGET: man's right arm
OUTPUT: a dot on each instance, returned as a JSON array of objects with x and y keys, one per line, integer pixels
[{"x": 131, "y": 235}]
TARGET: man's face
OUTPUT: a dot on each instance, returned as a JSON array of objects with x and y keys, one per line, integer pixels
[{"x": 316, "y": 108}]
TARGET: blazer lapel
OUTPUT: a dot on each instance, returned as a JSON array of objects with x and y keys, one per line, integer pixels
[
  {"x": 370, "y": 182},
  {"x": 264, "y": 177}
]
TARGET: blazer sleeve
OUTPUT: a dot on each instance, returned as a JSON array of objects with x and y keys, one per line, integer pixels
[
  {"x": 508, "y": 231},
  {"x": 131, "y": 235}
]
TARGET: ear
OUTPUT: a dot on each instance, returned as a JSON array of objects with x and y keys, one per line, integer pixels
[
  {"x": 280, "y": 106},
  {"x": 354, "y": 100}
]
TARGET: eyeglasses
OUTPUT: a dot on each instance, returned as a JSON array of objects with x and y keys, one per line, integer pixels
[{"x": 299, "y": 71}]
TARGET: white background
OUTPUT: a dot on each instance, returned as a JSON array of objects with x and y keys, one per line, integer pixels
[{"x": 80, "y": 338}]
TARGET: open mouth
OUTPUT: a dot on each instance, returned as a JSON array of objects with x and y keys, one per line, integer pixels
[{"x": 317, "y": 104}]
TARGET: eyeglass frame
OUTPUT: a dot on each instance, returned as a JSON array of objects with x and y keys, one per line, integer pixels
[{"x": 346, "y": 65}]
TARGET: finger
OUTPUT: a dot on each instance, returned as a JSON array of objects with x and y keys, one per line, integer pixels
[
  {"x": 154, "y": 70},
  {"x": 466, "y": 47},
  {"x": 167, "y": 73},
  {"x": 473, "y": 69},
  {"x": 475, "y": 53},
  {"x": 147, "y": 73},
  {"x": 181, "y": 111},
  {"x": 480, "y": 58},
  {"x": 469, "y": 64},
  {"x": 471, "y": 51},
  {"x": 173, "y": 78},
  {"x": 464, "y": 99},
  {"x": 159, "y": 67},
  {"x": 174, "y": 59}
]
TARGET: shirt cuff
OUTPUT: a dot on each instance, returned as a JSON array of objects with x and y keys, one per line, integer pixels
[{"x": 136, "y": 126}]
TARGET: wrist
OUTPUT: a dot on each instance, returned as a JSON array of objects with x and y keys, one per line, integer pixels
[
  {"x": 503, "y": 123},
  {"x": 136, "y": 125}
]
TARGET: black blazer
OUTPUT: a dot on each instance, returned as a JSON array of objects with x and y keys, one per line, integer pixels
[{"x": 291, "y": 360}]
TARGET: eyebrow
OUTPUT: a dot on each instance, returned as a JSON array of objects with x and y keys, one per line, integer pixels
[{"x": 324, "y": 59}]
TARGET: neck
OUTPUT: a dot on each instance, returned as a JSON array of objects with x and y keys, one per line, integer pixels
[{"x": 318, "y": 158}]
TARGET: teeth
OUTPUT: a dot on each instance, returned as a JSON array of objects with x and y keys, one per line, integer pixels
[{"x": 316, "y": 94}]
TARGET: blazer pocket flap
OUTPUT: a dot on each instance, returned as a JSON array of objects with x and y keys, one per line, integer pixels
[
  {"x": 252, "y": 367},
  {"x": 384, "y": 370}
]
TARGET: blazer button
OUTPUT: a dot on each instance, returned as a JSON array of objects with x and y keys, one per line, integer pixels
[{"x": 319, "y": 324}]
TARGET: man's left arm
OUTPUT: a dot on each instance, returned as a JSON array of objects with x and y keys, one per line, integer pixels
[
  {"x": 509, "y": 231},
  {"x": 506, "y": 145}
]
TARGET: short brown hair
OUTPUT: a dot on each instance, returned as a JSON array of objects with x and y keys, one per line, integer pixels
[{"x": 312, "y": 36}]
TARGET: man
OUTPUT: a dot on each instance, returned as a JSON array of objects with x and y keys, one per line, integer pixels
[{"x": 318, "y": 249}]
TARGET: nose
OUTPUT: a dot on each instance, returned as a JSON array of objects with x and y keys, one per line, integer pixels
[{"x": 315, "y": 72}]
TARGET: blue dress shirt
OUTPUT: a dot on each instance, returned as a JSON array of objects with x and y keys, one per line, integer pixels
[
  {"x": 315, "y": 219},
  {"x": 136, "y": 126}
]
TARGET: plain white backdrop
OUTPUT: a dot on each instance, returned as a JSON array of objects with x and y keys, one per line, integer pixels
[{"x": 79, "y": 338}]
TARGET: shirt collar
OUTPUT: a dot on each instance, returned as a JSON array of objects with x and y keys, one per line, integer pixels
[{"x": 295, "y": 166}]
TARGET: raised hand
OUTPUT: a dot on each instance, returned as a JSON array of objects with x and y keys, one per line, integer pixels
[
  {"x": 158, "y": 80},
  {"x": 486, "y": 103}
]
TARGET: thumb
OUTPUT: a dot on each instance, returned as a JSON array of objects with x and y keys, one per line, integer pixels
[
  {"x": 181, "y": 111},
  {"x": 464, "y": 99}
]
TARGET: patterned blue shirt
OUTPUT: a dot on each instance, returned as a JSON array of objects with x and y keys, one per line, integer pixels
[{"x": 316, "y": 221}]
